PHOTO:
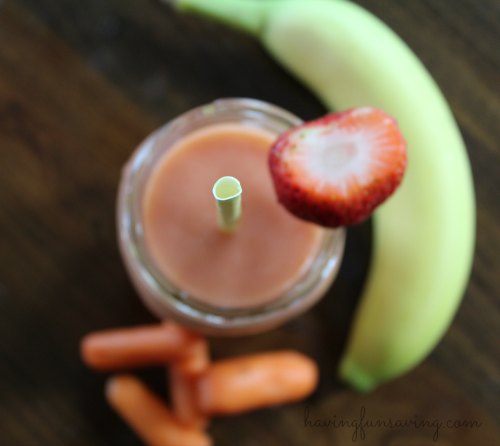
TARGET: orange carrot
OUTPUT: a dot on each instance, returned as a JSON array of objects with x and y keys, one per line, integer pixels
[
  {"x": 148, "y": 416},
  {"x": 250, "y": 382},
  {"x": 183, "y": 398},
  {"x": 196, "y": 358},
  {"x": 136, "y": 346},
  {"x": 182, "y": 376}
]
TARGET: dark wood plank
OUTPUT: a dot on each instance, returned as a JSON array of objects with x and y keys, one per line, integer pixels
[
  {"x": 64, "y": 135},
  {"x": 81, "y": 83}
]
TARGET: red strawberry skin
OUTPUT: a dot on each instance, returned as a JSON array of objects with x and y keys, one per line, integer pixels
[{"x": 334, "y": 171}]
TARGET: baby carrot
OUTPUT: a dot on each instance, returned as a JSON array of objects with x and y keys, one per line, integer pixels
[
  {"x": 183, "y": 398},
  {"x": 136, "y": 346},
  {"x": 249, "y": 382},
  {"x": 195, "y": 359},
  {"x": 181, "y": 378},
  {"x": 148, "y": 416}
]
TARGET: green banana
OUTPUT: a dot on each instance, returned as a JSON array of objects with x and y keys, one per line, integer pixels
[{"x": 424, "y": 235}]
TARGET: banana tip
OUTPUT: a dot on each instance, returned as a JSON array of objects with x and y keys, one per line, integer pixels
[{"x": 354, "y": 375}]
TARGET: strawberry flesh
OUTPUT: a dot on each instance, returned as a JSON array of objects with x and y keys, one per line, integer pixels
[{"x": 334, "y": 171}]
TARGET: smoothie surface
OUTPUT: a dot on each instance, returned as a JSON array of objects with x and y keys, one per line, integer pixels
[{"x": 267, "y": 253}]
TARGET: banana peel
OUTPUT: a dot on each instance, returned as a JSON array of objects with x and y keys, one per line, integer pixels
[{"x": 424, "y": 235}]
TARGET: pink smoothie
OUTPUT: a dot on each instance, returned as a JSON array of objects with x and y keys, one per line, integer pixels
[{"x": 269, "y": 251}]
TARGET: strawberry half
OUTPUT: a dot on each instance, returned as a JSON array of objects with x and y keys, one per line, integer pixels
[{"x": 335, "y": 170}]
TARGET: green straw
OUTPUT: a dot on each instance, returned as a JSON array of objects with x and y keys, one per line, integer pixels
[{"x": 227, "y": 192}]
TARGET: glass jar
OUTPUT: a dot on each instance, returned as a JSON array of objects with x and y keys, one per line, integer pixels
[{"x": 163, "y": 297}]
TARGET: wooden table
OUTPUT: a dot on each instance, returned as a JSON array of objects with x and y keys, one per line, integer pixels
[{"x": 81, "y": 84}]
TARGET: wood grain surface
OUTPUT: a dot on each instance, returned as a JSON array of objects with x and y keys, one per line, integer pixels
[{"x": 81, "y": 84}]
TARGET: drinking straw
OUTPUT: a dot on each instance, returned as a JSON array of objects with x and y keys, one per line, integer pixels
[{"x": 227, "y": 192}]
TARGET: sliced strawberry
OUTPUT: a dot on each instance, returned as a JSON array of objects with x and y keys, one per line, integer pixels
[{"x": 335, "y": 170}]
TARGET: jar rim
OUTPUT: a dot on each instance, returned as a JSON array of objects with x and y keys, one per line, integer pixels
[{"x": 164, "y": 297}]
